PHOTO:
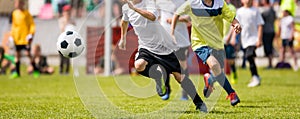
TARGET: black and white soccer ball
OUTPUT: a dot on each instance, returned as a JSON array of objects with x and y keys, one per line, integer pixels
[{"x": 70, "y": 44}]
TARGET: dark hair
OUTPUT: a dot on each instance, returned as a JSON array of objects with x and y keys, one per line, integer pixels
[
  {"x": 261, "y": 4},
  {"x": 287, "y": 11}
]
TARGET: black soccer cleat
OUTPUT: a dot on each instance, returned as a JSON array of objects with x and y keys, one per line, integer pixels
[{"x": 201, "y": 107}]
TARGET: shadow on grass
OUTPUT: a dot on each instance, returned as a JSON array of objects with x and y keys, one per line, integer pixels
[
  {"x": 224, "y": 112},
  {"x": 212, "y": 112},
  {"x": 254, "y": 106}
]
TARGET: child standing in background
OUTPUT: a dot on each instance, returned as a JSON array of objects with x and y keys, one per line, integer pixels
[
  {"x": 65, "y": 22},
  {"x": 252, "y": 22},
  {"x": 286, "y": 33},
  {"x": 22, "y": 32}
]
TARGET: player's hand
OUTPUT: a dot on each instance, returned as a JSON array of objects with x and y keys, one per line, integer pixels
[
  {"x": 122, "y": 44},
  {"x": 169, "y": 20},
  {"x": 29, "y": 38},
  {"x": 258, "y": 44},
  {"x": 11, "y": 40},
  {"x": 237, "y": 28},
  {"x": 174, "y": 39},
  {"x": 130, "y": 4}
]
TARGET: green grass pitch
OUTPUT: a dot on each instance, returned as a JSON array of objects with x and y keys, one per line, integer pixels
[{"x": 56, "y": 96}]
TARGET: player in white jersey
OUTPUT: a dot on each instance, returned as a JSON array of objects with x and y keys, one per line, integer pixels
[
  {"x": 167, "y": 8},
  {"x": 155, "y": 58}
]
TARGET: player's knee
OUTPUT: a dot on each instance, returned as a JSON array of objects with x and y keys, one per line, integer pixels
[
  {"x": 216, "y": 68},
  {"x": 140, "y": 65}
]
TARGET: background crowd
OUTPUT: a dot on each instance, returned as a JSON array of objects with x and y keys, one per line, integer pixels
[{"x": 57, "y": 14}]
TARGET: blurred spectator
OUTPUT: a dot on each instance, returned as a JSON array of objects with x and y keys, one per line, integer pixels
[
  {"x": 269, "y": 16},
  {"x": 115, "y": 66},
  {"x": 251, "y": 21},
  {"x": 40, "y": 61},
  {"x": 286, "y": 33},
  {"x": 65, "y": 22},
  {"x": 60, "y": 5},
  {"x": 116, "y": 12},
  {"x": 46, "y": 11},
  {"x": 289, "y": 5},
  {"x": 77, "y": 7},
  {"x": 230, "y": 47},
  {"x": 6, "y": 61},
  {"x": 22, "y": 32}
]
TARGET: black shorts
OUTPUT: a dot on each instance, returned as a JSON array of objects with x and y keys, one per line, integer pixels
[
  {"x": 23, "y": 47},
  {"x": 182, "y": 53},
  {"x": 287, "y": 42},
  {"x": 169, "y": 62},
  {"x": 250, "y": 51},
  {"x": 268, "y": 43},
  {"x": 230, "y": 51}
]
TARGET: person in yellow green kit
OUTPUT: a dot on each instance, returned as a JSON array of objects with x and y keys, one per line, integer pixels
[
  {"x": 22, "y": 32},
  {"x": 289, "y": 5}
]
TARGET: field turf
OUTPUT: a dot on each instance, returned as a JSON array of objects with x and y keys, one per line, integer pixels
[{"x": 59, "y": 96}]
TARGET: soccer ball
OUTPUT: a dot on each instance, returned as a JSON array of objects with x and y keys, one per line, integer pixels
[{"x": 70, "y": 44}]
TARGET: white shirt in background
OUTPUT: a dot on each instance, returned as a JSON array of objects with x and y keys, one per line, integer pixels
[
  {"x": 250, "y": 19},
  {"x": 167, "y": 9},
  {"x": 286, "y": 27}
]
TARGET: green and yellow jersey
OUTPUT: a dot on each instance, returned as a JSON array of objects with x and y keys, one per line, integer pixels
[{"x": 207, "y": 22}]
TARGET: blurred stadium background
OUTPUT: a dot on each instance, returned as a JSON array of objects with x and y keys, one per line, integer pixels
[{"x": 47, "y": 29}]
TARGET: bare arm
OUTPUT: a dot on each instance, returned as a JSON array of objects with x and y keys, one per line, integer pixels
[
  {"x": 142, "y": 12},
  {"x": 259, "y": 42},
  {"x": 233, "y": 38},
  {"x": 124, "y": 28},
  {"x": 173, "y": 24},
  {"x": 293, "y": 30},
  {"x": 185, "y": 19},
  {"x": 229, "y": 36}
]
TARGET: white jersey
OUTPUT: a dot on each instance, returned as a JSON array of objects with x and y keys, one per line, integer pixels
[
  {"x": 250, "y": 19},
  {"x": 152, "y": 36},
  {"x": 286, "y": 27},
  {"x": 167, "y": 9}
]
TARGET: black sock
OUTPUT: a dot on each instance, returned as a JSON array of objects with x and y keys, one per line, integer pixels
[
  {"x": 186, "y": 73},
  {"x": 232, "y": 66},
  {"x": 223, "y": 81},
  {"x": 18, "y": 68},
  {"x": 253, "y": 68},
  {"x": 189, "y": 87},
  {"x": 34, "y": 66}
]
